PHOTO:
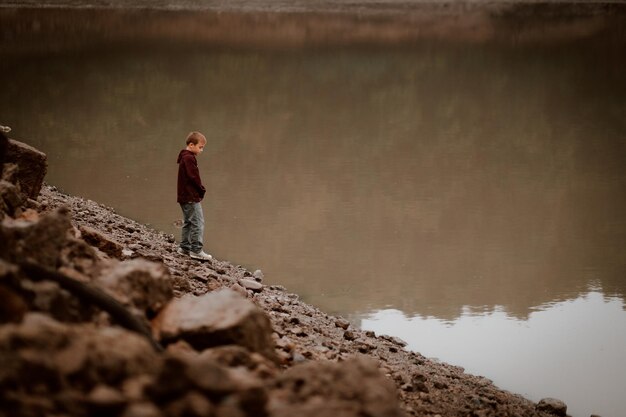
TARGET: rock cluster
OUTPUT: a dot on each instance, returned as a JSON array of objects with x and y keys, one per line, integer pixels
[
  {"x": 92, "y": 324},
  {"x": 100, "y": 316}
]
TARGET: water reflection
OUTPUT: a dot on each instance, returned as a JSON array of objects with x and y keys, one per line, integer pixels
[
  {"x": 546, "y": 355},
  {"x": 427, "y": 178}
]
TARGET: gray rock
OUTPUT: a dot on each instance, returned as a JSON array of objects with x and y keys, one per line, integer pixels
[
  {"x": 258, "y": 275},
  {"x": 552, "y": 406},
  {"x": 251, "y": 284},
  {"x": 214, "y": 319}
]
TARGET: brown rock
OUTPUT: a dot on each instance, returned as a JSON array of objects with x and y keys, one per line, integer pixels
[
  {"x": 32, "y": 164},
  {"x": 182, "y": 373},
  {"x": 10, "y": 198},
  {"x": 352, "y": 388},
  {"x": 233, "y": 356},
  {"x": 13, "y": 306},
  {"x": 60, "y": 357},
  {"x": 192, "y": 404},
  {"x": 105, "y": 399},
  {"x": 349, "y": 335},
  {"x": 214, "y": 319},
  {"x": 143, "y": 284},
  {"x": 19, "y": 238},
  {"x": 102, "y": 241},
  {"x": 142, "y": 409},
  {"x": 4, "y": 143},
  {"x": 342, "y": 323}
]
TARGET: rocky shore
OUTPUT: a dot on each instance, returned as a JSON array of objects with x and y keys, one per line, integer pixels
[{"x": 100, "y": 316}]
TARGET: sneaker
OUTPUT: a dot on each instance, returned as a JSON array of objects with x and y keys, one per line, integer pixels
[
  {"x": 201, "y": 256},
  {"x": 182, "y": 251}
]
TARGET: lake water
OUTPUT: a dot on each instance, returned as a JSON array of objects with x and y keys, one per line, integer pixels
[{"x": 467, "y": 198}]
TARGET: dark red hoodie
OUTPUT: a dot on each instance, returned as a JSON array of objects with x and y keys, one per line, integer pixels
[{"x": 190, "y": 188}]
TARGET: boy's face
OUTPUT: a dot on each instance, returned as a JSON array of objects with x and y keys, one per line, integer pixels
[{"x": 197, "y": 148}]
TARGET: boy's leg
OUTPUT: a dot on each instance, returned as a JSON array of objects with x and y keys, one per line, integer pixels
[
  {"x": 185, "y": 242},
  {"x": 196, "y": 229}
]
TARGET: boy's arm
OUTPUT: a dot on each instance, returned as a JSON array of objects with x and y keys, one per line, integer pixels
[{"x": 193, "y": 173}]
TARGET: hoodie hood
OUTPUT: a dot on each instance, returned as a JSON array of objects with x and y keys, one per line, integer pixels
[{"x": 182, "y": 154}]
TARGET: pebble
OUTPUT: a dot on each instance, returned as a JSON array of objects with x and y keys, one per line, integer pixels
[
  {"x": 343, "y": 323},
  {"x": 349, "y": 335},
  {"x": 238, "y": 288},
  {"x": 258, "y": 275},
  {"x": 251, "y": 284}
]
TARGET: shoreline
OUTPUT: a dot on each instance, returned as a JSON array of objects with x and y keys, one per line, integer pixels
[{"x": 303, "y": 333}]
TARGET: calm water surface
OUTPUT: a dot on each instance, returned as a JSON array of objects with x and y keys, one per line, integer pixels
[{"x": 468, "y": 199}]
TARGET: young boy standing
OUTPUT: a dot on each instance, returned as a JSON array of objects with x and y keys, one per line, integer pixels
[{"x": 190, "y": 192}]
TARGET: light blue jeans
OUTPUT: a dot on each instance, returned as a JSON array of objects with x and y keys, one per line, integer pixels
[{"x": 193, "y": 227}]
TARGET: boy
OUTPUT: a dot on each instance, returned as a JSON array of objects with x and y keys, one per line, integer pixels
[{"x": 190, "y": 192}]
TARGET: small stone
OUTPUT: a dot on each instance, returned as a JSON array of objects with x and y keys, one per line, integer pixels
[
  {"x": 440, "y": 385},
  {"x": 394, "y": 340},
  {"x": 552, "y": 406},
  {"x": 342, "y": 323},
  {"x": 251, "y": 284},
  {"x": 106, "y": 396},
  {"x": 238, "y": 288},
  {"x": 258, "y": 275},
  {"x": 349, "y": 335},
  {"x": 420, "y": 386},
  {"x": 142, "y": 409},
  {"x": 297, "y": 331},
  {"x": 101, "y": 241}
]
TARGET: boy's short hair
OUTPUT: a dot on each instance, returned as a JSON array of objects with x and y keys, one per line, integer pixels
[{"x": 195, "y": 138}]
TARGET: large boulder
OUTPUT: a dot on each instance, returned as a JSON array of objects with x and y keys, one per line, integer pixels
[
  {"x": 552, "y": 406},
  {"x": 218, "y": 318},
  {"x": 47, "y": 367},
  {"x": 138, "y": 283},
  {"x": 32, "y": 163},
  {"x": 186, "y": 372},
  {"x": 40, "y": 240},
  {"x": 353, "y": 388}
]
